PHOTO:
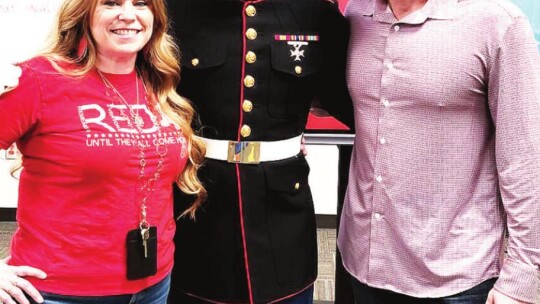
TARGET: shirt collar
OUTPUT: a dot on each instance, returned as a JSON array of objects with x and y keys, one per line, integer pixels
[{"x": 434, "y": 9}]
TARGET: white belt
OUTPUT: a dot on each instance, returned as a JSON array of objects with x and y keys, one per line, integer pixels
[{"x": 252, "y": 152}]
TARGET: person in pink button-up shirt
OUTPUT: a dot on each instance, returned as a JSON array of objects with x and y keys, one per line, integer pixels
[{"x": 447, "y": 154}]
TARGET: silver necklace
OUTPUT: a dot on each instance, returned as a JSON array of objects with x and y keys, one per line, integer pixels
[{"x": 136, "y": 120}]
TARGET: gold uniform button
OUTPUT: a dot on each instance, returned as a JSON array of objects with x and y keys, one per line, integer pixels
[
  {"x": 251, "y": 11},
  {"x": 251, "y": 34},
  {"x": 298, "y": 69},
  {"x": 249, "y": 81},
  {"x": 245, "y": 131},
  {"x": 296, "y": 186},
  {"x": 195, "y": 62},
  {"x": 247, "y": 106},
  {"x": 251, "y": 57}
]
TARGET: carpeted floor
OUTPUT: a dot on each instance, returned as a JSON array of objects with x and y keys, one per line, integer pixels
[{"x": 6, "y": 230}]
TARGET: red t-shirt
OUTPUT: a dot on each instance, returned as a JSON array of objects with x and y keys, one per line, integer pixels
[{"x": 78, "y": 191}]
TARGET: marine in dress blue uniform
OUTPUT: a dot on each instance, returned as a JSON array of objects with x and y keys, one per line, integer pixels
[{"x": 252, "y": 70}]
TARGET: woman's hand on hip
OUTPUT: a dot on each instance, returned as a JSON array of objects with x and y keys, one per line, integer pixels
[{"x": 13, "y": 285}]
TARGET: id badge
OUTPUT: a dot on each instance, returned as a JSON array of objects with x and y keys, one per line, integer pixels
[{"x": 141, "y": 253}]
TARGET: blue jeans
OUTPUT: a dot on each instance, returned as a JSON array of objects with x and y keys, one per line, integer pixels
[
  {"x": 364, "y": 294},
  {"x": 156, "y": 294}
]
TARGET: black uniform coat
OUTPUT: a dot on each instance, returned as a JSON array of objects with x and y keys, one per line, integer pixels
[{"x": 254, "y": 239}]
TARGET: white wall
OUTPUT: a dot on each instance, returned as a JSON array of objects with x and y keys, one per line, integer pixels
[
  {"x": 24, "y": 24},
  {"x": 8, "y": 184},
  {"x": 323, "y": 177}
]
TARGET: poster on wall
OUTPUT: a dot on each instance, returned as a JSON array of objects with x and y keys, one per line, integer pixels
[{"x": 24, "y": 26}]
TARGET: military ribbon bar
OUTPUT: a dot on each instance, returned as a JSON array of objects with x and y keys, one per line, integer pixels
[{"x": 296, "y": 37}]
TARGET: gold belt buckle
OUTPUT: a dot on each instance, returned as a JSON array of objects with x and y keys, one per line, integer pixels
[{"x": 244, "y": 152}]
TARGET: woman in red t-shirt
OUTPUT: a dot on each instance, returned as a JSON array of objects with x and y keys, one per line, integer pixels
[{"x": 103, "y": 136}]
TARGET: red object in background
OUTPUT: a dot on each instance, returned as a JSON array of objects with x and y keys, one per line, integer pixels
[
  {"x": 320, "y": 120},
  {"x": 328, "y": 123}
]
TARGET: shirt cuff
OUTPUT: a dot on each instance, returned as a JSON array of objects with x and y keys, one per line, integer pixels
[{"x": 519, "y": 281}]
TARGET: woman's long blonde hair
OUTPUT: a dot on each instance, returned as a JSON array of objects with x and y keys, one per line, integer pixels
[{"x": 158, "y": 64}]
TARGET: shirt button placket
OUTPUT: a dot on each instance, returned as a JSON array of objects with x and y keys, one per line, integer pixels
[{"x": 379, "y": 200}]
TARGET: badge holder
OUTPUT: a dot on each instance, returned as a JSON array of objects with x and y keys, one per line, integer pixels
[{"x": 141, "y": 247}]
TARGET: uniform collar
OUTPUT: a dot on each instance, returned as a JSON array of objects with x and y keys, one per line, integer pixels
[{"x": 434, "y": 9}]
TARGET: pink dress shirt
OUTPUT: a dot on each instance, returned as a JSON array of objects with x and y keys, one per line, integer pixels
[{"x": 447, "y": 149}]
